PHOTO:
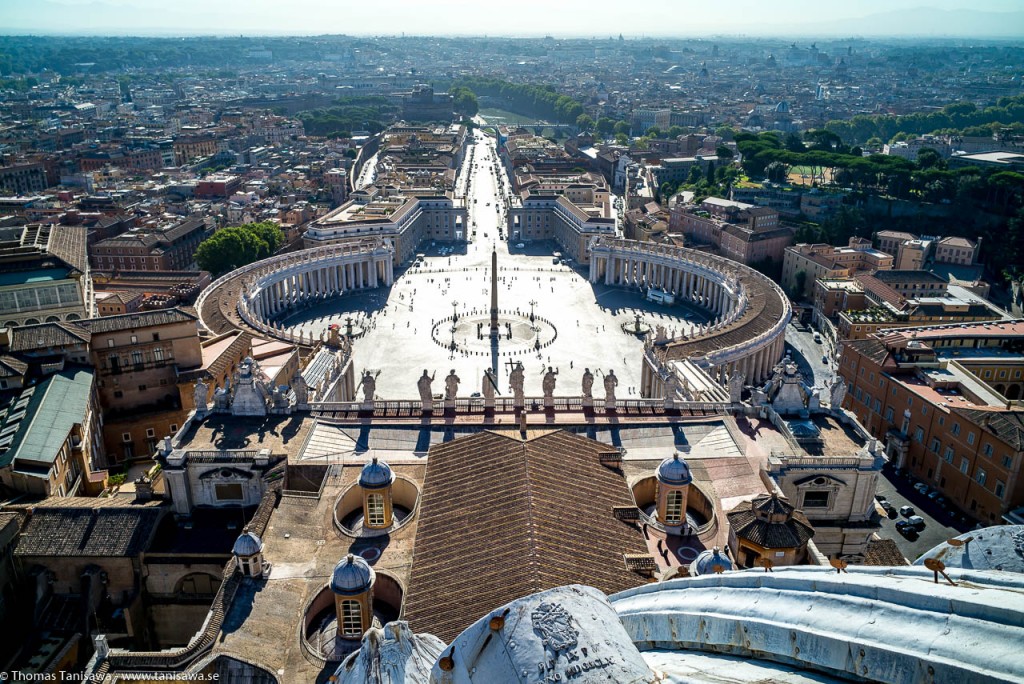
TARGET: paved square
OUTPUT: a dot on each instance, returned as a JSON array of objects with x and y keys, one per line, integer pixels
[{"x": 585, "y": 321}]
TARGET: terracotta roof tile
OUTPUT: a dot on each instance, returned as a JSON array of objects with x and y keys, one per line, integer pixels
[{"x": 504, "y": 517}]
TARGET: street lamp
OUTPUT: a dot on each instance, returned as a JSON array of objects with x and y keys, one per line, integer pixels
[
  {"x": 455, "y": 313},
  {"x": 533, "y": 303}
]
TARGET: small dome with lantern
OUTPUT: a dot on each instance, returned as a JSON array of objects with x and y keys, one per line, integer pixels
[
  {"x": 247, "y": 544},
  {"x": 376, "y": 474},
  {"x": 352, "y": 576},
  {"x": 674, "y": 471},
  {"x": 705, "y": 562}
]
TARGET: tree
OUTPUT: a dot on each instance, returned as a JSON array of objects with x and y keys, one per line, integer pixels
[
  {"x": 237, "y": 246},
  {"x": 621, "y": 127},
  {"x": 927, "y": 158},
  {"x": 605, "y": 126},
  {"x": 464, "y": 101},
  {"x": 710, "y": 173},
  {"x": 801, "y": 284},
  {"x": 621, "y": 138},
  {"x": 777, "y": 172},
  {"x": 725, "y": 132},
  {"x": 723, "y": 152},
  {"x": 695, "y": 175},
  {"x": 793, "y": 143},
  {"x": 584, "y": 122},
  {"x": 653, "y": 132}
]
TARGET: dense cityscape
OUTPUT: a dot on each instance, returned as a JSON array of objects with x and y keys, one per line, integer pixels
[{"x": 409, "y": 359}]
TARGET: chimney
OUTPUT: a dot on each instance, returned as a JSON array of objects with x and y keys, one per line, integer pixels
[{"x": 522, "y": 423}]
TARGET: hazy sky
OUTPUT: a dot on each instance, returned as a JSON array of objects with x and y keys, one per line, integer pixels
[{"x": 517, "y": 17}]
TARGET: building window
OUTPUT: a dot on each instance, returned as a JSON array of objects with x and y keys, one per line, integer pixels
[
  {"x": 936, "y": 445},
  {"x": 888, "y": 414},
  {"x": 924, "y": 410},
  {"x": 126, "y": 436},
  {"x": 150, "y": 432},
  {"x": 110, "y": 342},
  {"x": 158, "y": 354},
  {"x": 987, "y": 450},
  {"x": 918, "y": 434},
  {"x": 948, "y": 456},
  {"x": 981, "y": 477},
  {"x": 964, "y": 465},
  {"x": 956, "y": 429},
  {"x": 351, "y": 618},
  {"x": 816, "y": 499},
  {"x": 1007, "y": 461},
  {"x": 375, "y": 510},
  {"x": 970, "y": 438},
  {"x": 135, "y": 339},
  {"x": 229, "y": 492},
  {"x": 1000, "y": 488},
  {"x": 674, "y": 508},
  {"x": 174, "y": 428}
]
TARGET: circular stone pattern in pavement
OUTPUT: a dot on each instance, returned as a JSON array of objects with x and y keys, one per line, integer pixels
[{"x": 472, "y": 334}]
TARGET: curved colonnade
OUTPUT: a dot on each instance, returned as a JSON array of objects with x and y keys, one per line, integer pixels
[
  {"x": 751, "y": 312},
  {"x": 258, "y": 295}
]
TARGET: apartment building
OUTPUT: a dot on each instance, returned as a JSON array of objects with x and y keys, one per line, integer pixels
[
  {"x": 139, "y": 358},
  {"x": 51, "y": 435},
  {"x": 44, "y": 274},
  {"x": 821, "y": 261},
  {"x": 23, "y": 179},
  {"x": 169, "y": 246},
  {"x": 912, "y": 252},
  {"x": 743, "y": 232},
  {"x": 945, "y": 400}
]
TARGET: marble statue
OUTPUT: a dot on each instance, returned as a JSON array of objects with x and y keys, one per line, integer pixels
[
  {"x": 660, "y": 334},
  {"x": 199, "y": 396},
  {"x": 736, "y": 381},
  {"x": 222, "y": 398},
  {"x": 301, "y": 390},
  {"x": 610, "y": 383},
  {"x": 488, "y": 386},
  {"x": 369, "y": 385},
  {"x": 588, "y": 383},
  {"x": 515, "y": 381},
  {"x": 451, "y": 386},
  {"x": 837, "y": 392},
  {"x": 549, "y": 382},
  {"x": 423, "y": 384}
]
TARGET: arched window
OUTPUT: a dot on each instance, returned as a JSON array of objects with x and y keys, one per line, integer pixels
[
  {"x": 351, "y": 618},
  {"x": 375, "y": 510},
  {"x": 674, "y": 508}
]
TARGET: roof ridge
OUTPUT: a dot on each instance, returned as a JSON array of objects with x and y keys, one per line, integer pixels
[{"x": 531, "y": 530}]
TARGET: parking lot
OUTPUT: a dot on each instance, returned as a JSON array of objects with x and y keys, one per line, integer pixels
[{"x": 939, "y": 523}]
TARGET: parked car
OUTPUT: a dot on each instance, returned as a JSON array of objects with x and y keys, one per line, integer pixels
[
  {"x": 934, "y": 495},
  {"x": 907, "y": 511},
  {"x": 901, "y": 525},
  {"x": 892, "y": 513},
  {"x": 916, "y": 521},
  {"x": 921, "y": 487},
  {"x": 880, "y": 498},
  {"x": 520, "y": 245},
  {"x": 909, "y": 533}
]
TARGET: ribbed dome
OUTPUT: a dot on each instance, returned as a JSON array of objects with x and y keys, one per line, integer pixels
[
  {"x": 674, "y": 471},
  {"x": 704, "y": 564},
  {"x": 352, "y": 575},
  {"x": 247, "y": 544},
  {"x": 376, "y": 474}
]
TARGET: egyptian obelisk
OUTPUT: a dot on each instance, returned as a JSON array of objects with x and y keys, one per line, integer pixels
[{"x": 494, "y": 294}]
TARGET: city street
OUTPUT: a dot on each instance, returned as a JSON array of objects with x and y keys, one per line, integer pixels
[{"x": 810, "y": 356}]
